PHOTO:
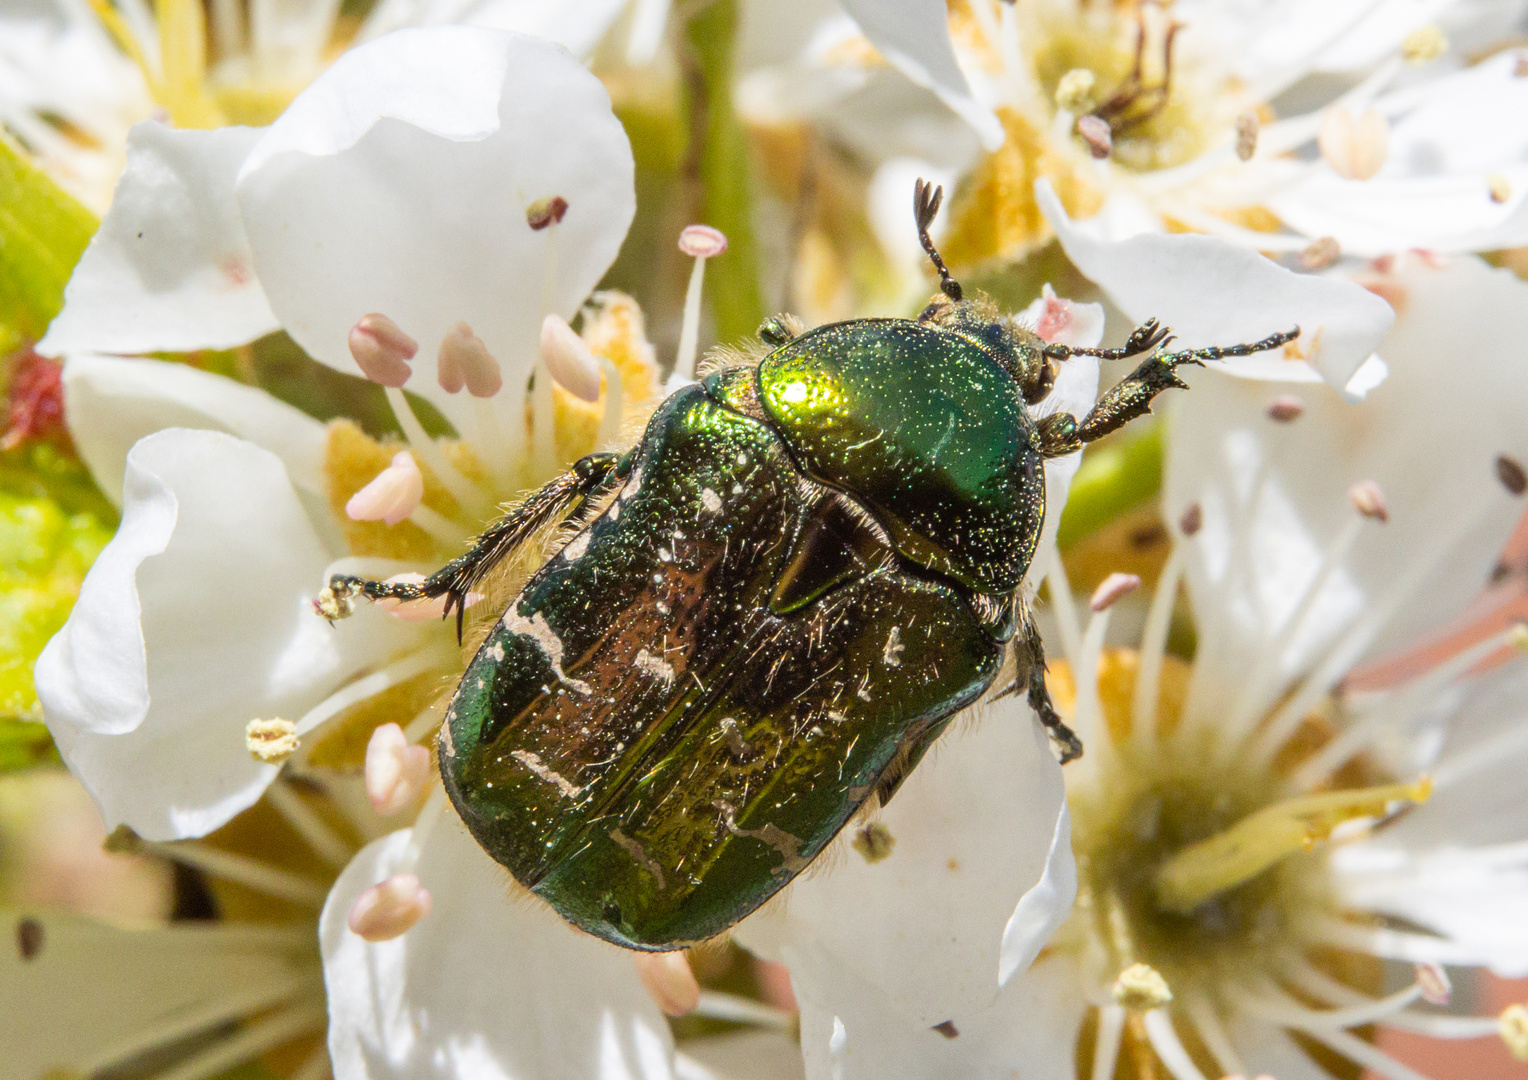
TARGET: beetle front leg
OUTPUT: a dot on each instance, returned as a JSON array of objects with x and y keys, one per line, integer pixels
[
  {"x": 455, "y": 580},
  {"x": 1062, "y": 433}
]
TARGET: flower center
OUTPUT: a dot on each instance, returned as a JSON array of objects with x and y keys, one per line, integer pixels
[
  {"x": 1139, "y": 85},
  {"x": 1200, "y": 866}
]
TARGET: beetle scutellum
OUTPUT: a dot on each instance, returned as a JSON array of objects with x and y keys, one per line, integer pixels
[{"x": 768, "y": 610}]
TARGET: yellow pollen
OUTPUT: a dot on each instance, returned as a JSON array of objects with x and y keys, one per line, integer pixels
[
  {"x": 1498, "y": 187},
  {"x": 1074, "y": 92},
  {"x": 1512, "y": 1025},
  {"x": 1424, "y": 45},
  {"x": 1140, "y": 987},
  {"x": 271, "y": 741},
  {"x": 1206, "y": 869}
]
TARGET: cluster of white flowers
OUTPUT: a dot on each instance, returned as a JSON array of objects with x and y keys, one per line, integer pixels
[{"x": 432, "y": 211}]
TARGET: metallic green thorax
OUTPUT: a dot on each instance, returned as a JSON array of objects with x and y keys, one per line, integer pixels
[
  {"x": 923, "y": 426},
  {"x": 687, "y": 703}
]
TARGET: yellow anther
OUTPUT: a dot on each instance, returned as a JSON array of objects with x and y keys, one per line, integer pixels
[
  {"x": 1498, "y": 187},
  {"x": 1512, "y": 1026},
  {"x": 1140, "y": 987},
  {"x": 1074, "y": 92},
  {"x": 1257, "y": 842},
  {"x": 271, "y": 741},
  {"x": 1424, "y": 45},
  {"x": 123, "y": 841}
]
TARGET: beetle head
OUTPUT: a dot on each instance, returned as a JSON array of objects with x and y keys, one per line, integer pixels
[
  {"x": 978, "y": 319},
  {"x": 1015, "y": 347}
]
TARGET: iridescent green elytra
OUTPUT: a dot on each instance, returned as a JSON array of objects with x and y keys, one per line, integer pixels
[{"x": 768, "y": 611}]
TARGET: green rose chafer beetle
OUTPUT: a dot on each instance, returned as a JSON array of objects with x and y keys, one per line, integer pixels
[{"x": 766, "y": 611}]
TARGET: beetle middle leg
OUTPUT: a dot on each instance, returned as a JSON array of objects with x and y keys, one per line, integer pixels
[
  {"x": 496, "y": 543},
  {"x": 1063, "y": 433},
  {"x": 1030, "y": 652}
]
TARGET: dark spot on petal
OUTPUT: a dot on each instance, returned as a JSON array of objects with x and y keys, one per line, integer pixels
[
  {"x": 544, "y": 212},
  {"x": 1192, "y": 519},
  {"x": 947, "y": 1029},
  {"x": 1511, "y": 474},
  {"x": 29, "y": 934}
]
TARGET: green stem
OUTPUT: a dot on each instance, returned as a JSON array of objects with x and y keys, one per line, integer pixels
[
  {"x": 719, "y": 157},
  {"x": 1113, "y": 478}
]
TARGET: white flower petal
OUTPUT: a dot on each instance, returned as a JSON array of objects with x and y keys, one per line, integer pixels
[
  {"x": 1214, "y": 293},
  {"x": 195, "y": 620},
  {"x": 169, "y": 268},
  {"x": 1428, "y": 436},
  {"x": 112, "y": 402},
  {"x": 87, "y": 988},
  {"x": 553, "y": 1004},
  {"x": 576, "y": 25},
  {"x": 973, "y": 828},
  {"x": 399, "y": 183},
  {"x": 1469, "y": 130},
  {"x": 914, "y": 37},
  {"x": 745, "y": 1055},
  {"x": 1030, "y": 1031}
]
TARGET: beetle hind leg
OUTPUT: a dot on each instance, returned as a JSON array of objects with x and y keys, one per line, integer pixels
[{"x": 455, "y": 580}]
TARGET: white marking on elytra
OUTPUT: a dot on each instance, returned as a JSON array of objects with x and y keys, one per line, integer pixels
[
  {"x": 576, "y": 546},
  {"x": 545, "y": 638},
  {"x": 789, "y": 846},
  {"x": 742, "y": 459},
  {"x": 710, "y": 500},
  {"x": 496, "y": 650},
  {"x": 737, "y": 489},
  {"x": 665, "y": 555},
  {"x": 532, "y": 761},
  {"x": 892, "y": 653},
  {"x": 614, "y": 513},
  {"x": 638, "y": 852},
  {"x": 633, "y": 486},
  {"x": 655, "y": 666}
]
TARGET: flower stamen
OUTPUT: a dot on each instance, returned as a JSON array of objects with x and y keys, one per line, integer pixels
[
  {"x": 700, "y": 242},
  {"x": 669, "y": 981},
  {"x": 382, "y": 350},
  {"x": 396, "y": 771},
  {"x": 270, "y": 741},
  {"x": 389, "y": 909},
  {"x": 1211, "y": 867}
]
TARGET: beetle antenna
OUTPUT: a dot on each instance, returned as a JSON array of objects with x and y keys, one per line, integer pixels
[{"x": 926, "y": 200}]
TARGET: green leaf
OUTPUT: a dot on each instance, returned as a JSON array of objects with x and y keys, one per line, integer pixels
[
  {"x": 43, "y": 232},
  {"x": 53, "y": 523},
  {"x": 1116, "y": 476}
]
